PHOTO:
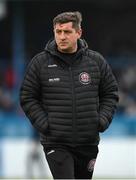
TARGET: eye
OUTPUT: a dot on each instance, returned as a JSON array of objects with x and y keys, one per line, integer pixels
[
  {"x": 68, "y": 32},
  {"x": 58, "y": 31}
]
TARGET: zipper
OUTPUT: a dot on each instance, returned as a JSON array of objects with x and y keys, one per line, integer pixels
[{"x": 74, "y": 130}]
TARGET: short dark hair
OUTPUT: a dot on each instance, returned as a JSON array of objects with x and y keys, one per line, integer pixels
[{"x": 65, "y": 17}]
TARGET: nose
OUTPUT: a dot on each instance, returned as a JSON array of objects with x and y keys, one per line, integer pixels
[{"x": 62, "y": 36}]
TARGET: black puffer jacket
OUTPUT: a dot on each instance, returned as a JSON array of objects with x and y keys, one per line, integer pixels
[{"x": 69, "y": 104}]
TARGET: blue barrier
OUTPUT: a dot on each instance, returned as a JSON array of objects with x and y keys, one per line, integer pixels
[{"x": 14, "y": 126}]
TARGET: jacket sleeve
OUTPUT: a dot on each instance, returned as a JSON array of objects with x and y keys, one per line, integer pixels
[
  {"x": 108, "y": 94},
  {"x": 30, "y": 97}
]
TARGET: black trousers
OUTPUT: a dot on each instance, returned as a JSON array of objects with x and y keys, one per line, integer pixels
[{"x": 71, "y": 162}]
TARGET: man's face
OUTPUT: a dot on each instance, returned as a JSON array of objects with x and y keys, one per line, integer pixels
[{"x": 66, "y": 37}]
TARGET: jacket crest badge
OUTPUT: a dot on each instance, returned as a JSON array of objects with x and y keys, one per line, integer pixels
[{"x": 84, "y": 78}]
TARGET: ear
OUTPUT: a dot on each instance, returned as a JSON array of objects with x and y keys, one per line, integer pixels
[
  {"x": 79, "y": 33},
  {"x": 54, "y": 29}
]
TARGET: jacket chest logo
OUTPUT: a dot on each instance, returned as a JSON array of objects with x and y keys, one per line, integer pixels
[
  {"x": 84, "y": 78},
  {"x": 52, "y": 65},
  {"x": 54, "y": 79}
]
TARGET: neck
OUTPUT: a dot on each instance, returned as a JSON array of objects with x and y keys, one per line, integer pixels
[{"x": 68, "y": 51}]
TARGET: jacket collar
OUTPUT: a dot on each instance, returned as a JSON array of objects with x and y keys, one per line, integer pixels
[{"x": 51, "y": 47}]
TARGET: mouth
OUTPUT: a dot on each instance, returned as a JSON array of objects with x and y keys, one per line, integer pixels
[{"x": 63, "y": 43}]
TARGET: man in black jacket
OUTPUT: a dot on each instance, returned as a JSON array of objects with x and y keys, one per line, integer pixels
[{"x": 69, "y": 93}]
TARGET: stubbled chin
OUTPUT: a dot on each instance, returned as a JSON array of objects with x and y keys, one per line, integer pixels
[{"x": 63, "y": 48}]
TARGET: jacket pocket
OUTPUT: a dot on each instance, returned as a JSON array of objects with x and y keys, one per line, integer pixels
[{"x": 41, "y": 126}]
